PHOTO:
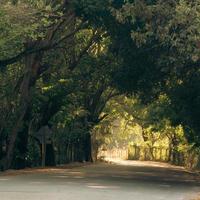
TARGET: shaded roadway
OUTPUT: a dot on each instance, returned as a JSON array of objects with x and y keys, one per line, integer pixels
[{"x": 128, "y": 180}]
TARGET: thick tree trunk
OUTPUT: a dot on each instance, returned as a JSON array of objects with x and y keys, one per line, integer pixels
[
  {"x": 20, "y": 162},
  {"x": 6, "y": 162},
  {"x": 32, "y": 65}
]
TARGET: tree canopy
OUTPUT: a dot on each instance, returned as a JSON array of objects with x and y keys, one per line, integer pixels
[{"x": 64, "y": 63}]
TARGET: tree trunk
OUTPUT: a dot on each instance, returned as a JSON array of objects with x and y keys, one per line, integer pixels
[
  {"x": 88, "y": 148},
  {"x": 32, "y": 65},
  {"x": 50, "y": 155},
  {"x": 6, "y": 162}
]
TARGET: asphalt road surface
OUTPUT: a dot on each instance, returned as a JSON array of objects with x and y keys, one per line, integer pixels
[{"x": 123, "y": 180}]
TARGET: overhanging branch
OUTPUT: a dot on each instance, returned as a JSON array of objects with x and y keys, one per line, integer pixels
[{"x": 44, "y": 46}]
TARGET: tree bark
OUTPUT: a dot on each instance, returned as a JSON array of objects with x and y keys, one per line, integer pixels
[{"x": 32, "y": 65}]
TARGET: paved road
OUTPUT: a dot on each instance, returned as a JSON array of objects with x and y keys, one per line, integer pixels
[{"x": 125, "y": 180}]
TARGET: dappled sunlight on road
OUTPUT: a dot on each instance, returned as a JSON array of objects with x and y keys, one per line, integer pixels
[
  {"x": 103, "y": 187},
  {"x": 143, "y": 163},
  {"x": 4, "y": 179},
  {"x": 103, "y": 181}
]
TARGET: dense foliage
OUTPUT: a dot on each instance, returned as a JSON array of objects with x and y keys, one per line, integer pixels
[{"x": 63, "y": 62}]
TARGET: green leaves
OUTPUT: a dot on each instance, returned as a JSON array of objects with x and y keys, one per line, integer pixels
[
  {"x": 17, "y": 24},
  {"x": 175, "y": 24}
]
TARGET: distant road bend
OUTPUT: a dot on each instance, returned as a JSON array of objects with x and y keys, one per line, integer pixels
[{"x": 123, "y": 180}]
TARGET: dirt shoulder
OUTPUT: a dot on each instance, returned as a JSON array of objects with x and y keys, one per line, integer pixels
[{"x": 13, "y": 172}]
